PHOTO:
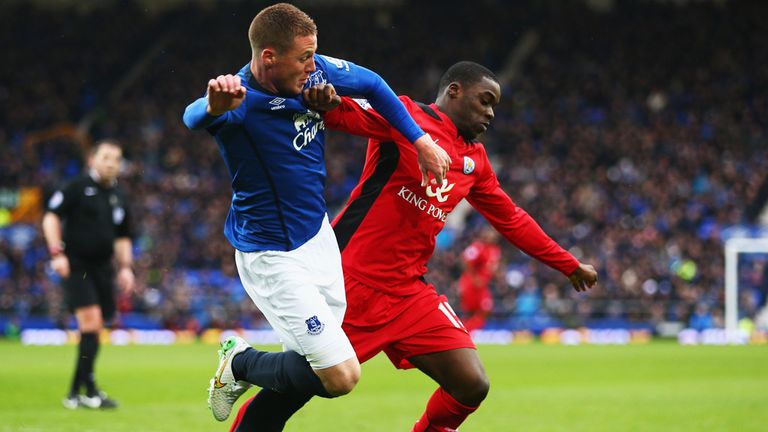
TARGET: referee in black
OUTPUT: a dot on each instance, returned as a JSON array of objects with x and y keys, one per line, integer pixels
[{"x": 85, "y": 226}]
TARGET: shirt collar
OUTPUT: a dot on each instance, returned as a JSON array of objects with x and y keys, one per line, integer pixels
[{"x": 94, "y": 175}]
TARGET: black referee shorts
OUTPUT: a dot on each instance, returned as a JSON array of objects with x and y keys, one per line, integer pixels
[{"x": 91, "y": 283}]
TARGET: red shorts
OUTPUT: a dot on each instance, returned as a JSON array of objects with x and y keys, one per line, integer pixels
[{"x": 402, "y": 327}]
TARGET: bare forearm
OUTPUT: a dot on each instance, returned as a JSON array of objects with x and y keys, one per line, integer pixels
[
  {"x": 124, "y": 252},
  {"x": 52, "y": 231}
]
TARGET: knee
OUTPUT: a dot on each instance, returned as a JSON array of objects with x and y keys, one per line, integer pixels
[
  {"x": 474, "y": 390},
  {"x": 342, "y": 380},
  {"x": 89, "y": 320}
]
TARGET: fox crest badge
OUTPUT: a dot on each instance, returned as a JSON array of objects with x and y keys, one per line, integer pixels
[{"x": 469, "y": 165}]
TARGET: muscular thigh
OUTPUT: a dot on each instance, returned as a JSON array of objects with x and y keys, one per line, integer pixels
[
  {"x": 301, "y": 294},
  {"x": 402, "y": 327},
  {"x": 437, "y": 329}
]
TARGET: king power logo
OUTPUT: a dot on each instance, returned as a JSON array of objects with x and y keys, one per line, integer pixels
[
  {"x": 440, "y": 193},
  {"x": 423, "y": 204},
  {"x": 307, "y": 125}
]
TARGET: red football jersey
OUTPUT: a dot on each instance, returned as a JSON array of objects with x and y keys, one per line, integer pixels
[{"x": 387, "y": 230}]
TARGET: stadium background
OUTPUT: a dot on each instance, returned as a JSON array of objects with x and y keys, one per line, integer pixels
[{"x": 633, "y": 131}]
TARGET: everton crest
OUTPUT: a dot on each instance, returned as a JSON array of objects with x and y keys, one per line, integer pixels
[{"x": 314, "y": 326}]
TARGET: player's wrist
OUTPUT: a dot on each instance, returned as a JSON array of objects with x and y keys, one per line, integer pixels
[
  {"x": 212, "y": 113},
  {"x": 56, "y": 250},
  {"x": 422, "y": 141}
]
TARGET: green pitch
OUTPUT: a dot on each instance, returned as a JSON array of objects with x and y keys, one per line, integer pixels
[{"x": 657, "y": 387}]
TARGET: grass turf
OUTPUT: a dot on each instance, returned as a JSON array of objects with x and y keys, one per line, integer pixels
[{"x": 657, "y": 387}]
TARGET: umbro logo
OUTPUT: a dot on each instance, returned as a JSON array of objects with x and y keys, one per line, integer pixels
[
  {"x": 278, "y": 103},
  {"x": 90, "y": 191}
]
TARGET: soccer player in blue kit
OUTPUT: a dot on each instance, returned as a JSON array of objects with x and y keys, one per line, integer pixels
[{"x": 286, "y": 252}]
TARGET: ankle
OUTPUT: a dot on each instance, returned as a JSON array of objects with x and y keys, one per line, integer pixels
[{"x": 239, "y": 362}]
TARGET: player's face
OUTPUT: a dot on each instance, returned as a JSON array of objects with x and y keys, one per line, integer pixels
[
  {"x": 475, "y": 107},
  {"x": 291, "y": 68},
  {"x": 106, "y": 161}
]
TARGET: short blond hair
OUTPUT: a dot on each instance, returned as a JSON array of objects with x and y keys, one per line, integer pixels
[{"x": 277, "y": 26}]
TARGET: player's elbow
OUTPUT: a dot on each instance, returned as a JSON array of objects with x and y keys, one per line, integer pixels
[
  {"x": 188, "y": 118},
  {"x": 195, "y": 114}
]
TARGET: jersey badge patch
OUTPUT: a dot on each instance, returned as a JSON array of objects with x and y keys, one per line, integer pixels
[
  {"x": 469, "y": 165},
  {"x": 56, "y": 200},
  {"x": 364, "y": 104},
  {"x": 118, "y": 215},
  {"x": 314, "y": 326},
  {"x": 315, "y": 78}
]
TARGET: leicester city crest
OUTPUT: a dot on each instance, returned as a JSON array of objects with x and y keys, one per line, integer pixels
[
  {"x": 469, "y": 165},
  {"x": 314, "y": 326}
]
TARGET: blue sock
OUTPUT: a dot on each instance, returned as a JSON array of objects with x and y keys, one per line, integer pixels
[{"x": 283, "y": 372}]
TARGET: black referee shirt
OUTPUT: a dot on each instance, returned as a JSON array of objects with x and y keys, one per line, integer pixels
[{"x": 93, "y": 216}]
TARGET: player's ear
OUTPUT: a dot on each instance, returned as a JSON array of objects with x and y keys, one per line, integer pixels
[
  {"x": 268, "y": 56},
  {"x": 454, "y": 89}
]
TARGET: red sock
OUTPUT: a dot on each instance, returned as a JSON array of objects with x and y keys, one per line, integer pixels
[
  {"x": 240, "y": 414},
  {"x": 443, "y": 414}
]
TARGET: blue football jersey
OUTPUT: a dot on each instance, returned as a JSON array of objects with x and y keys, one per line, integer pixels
[{"x": 274, "y": 148}]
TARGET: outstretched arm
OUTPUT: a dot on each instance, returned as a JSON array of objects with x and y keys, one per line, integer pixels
[
  {"x": 351, "y": 79},
  {"x": 520, "y": 229},
  {"x": 356, "y": 116}
]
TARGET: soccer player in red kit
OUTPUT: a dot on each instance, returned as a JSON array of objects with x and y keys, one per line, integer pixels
[
  {"x": 481, "y": 260},
  {"x": 387, "y": 234}
]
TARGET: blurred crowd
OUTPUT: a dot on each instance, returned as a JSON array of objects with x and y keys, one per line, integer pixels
[{"x": 634, "y": 136}]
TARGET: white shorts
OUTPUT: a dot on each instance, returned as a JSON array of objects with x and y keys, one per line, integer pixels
[{"x": 301, "y": 293}]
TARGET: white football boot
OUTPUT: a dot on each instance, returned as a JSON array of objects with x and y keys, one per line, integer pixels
[{"x": 224, "y": 390}]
